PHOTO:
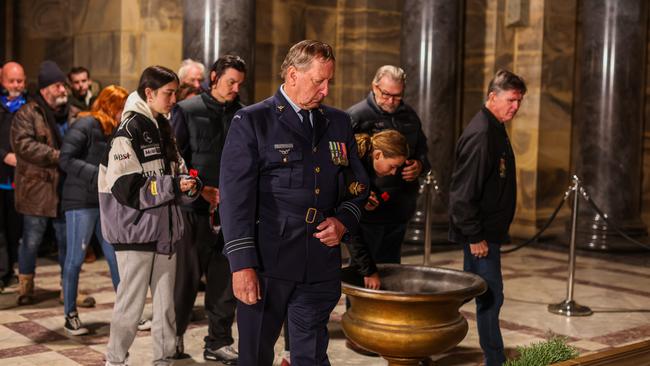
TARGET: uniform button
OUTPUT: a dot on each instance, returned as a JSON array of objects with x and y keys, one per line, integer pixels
[
  {"x": 317, "y": 169},
  {"x": 317, "y": 190},
  {"x": 315, "y": 149}
]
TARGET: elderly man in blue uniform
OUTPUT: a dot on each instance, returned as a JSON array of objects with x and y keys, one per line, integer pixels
[
  {"x": 482, "y": 201},
  {"x": 281, "y": 214}
]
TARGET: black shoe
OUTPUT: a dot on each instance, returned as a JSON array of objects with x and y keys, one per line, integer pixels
[
  {"x": 180, "y": 349},
  {"x": 226, "y": 355},
  {"x": 73, "y": 325}
]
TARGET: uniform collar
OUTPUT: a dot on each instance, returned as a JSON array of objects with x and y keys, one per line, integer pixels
[
  {"x": 286, "y": 97},
  {"x": 283, "y": 103}
]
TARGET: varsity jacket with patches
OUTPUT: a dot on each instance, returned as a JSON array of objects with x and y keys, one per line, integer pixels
[{"x": 139, "y": 194}]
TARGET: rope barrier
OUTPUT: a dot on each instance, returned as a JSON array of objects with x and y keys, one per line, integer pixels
[
  {"x": 546, "y": 225},
  {"x": 432, "y": 183},
  {"x": 600, "y": 213}
]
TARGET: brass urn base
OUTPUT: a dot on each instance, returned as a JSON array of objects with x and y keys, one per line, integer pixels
[{"x": 415, "y": 313}]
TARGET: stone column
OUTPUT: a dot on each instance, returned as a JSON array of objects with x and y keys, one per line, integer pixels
[
  {"x": 432, "y": 32},
  {"x": 213, "y": 28},
  {"x": 608, "y": 117}
]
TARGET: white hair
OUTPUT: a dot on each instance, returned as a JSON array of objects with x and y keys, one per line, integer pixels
[
  {"x": 186, "y": 65},
  {"x": 393, "y": 72}
]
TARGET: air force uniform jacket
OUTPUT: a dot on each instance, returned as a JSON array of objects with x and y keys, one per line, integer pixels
[{"x": 278, "y": 183}]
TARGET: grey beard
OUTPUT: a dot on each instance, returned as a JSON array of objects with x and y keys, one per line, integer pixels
[
  {"x": 14, "y": 94},
  {"x": 60, "y": 101}
]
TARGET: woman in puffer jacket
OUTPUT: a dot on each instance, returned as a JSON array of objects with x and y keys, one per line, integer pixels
[
  {"x": 82, "y": 150},
  {"x": 142, "y": 181}
]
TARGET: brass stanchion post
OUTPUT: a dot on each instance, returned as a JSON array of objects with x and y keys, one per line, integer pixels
[
  {"x": 569, "y": 307},
  {"x": 428, "y": 185}
]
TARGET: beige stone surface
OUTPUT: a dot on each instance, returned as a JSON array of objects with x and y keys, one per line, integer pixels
[{"x": 534, "y": 278}]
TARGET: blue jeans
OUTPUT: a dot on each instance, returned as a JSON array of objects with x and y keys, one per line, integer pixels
[
  {"x": 33, "y": 231},
  {"x": 80, "y": 225},
  {"x": 489, "y": 304}
]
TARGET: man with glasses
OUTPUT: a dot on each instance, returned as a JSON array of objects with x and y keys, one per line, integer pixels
[{"x": 383, "y": 230}]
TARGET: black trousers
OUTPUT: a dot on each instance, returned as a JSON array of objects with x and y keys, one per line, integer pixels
[
  {"x": 199, "y": 253},
  {"x": 306, "y": 306},
  {"x": 11, "y": 228}
]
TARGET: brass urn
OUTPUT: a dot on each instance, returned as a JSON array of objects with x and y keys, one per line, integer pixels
[{"x": 415, "y": 313}]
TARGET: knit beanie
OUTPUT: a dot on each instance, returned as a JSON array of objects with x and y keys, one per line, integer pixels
[{"x": 49, "y": 73}]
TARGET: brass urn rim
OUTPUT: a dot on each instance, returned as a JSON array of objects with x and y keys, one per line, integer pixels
[{"x": 476, "y": 287}]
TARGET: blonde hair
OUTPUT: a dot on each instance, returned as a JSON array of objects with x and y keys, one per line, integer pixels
[{"x": 390, "y": 142}]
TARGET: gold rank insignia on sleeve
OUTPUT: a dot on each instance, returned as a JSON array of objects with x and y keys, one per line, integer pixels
[{"x": 356, "y": 188}]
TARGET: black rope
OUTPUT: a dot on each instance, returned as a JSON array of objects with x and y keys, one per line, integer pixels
[
  {"x": 541, "y": 231},
  {"x": 600, "y": 213}
]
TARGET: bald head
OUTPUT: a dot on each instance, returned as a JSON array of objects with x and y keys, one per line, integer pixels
[{"x": 13, "y": 79}]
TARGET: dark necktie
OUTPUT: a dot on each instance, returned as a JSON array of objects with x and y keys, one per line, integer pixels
[{"x": 306, "y": 122}]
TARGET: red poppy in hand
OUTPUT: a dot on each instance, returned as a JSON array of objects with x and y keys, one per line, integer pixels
[{"x": 194, "y": 173}]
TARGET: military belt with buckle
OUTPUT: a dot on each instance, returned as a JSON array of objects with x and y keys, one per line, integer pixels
[{"x": 310, "y": 217}]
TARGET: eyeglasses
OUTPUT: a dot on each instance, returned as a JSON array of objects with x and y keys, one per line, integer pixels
[{"x": 386, "y": 95}]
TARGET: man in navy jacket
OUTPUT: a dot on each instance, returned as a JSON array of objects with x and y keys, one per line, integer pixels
[{"x": 281, "y": 212}]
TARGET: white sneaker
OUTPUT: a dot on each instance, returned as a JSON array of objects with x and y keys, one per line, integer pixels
[{"x": 144, "y": 324}]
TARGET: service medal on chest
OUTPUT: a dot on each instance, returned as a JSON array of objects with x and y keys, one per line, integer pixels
[{"x": 339, "y": 153}]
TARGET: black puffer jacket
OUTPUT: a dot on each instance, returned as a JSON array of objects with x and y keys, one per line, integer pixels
[
  {"x": 201, "y": 124},
  {"x": 368, "y": 118},
  {"x": 82, "y": 150}
]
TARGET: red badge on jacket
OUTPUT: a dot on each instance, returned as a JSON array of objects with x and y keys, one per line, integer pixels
[{"x": 385, "y": 196}]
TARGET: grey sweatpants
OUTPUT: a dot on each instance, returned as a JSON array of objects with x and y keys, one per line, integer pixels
[{"x": 140, "y": 271}]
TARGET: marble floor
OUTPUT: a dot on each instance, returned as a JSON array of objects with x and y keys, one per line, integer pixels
[{"x": 618, "y": 293}]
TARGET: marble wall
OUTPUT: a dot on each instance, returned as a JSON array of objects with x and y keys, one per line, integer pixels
[
  {"x": 645, "y": 186},
  {"x": 479, "y": 54},
  {"x": 115, "y": 39},
  {"x": 364, "y": 35},
  {"x": 151, "y": 34},
  {"x": 537, "y": 43}
]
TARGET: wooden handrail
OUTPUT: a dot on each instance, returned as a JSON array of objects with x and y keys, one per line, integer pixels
[{"x": 635, "y": 354}]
